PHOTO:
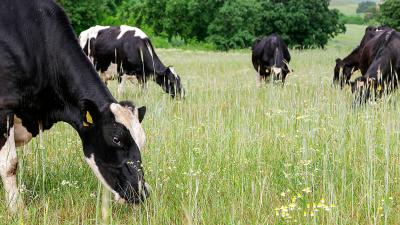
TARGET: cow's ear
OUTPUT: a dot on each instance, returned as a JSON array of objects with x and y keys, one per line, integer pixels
[
  {"x": 141, "y": 113},
  {"x": 89, "y": 112},
  {"x": 338, "y": 61}
]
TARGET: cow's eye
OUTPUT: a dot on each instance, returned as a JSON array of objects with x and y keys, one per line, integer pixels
[{"x": 116, "y": 141}]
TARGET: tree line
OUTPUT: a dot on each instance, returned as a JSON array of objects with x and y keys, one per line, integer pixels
[{"x": 227, "y": 24}]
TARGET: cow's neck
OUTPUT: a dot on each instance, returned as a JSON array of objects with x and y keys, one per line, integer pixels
[{"x": 81, "y": 86}]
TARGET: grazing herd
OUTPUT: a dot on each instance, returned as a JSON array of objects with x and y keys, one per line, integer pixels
[
  {"x": 48, "y": 75},
  {"x": 378, "y": 59}
]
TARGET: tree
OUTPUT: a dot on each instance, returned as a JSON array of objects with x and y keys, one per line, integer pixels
[
  {"x": 235, "y": 24},
  {"x": 224, "y": 23},
  {"x": 84, "y": 14},
  {"x": 302, "y": 23},
  {"x": 367, "y": 6},
  {"x": 390, "y": 14}
]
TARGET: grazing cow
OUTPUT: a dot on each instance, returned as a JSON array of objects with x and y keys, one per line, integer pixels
[
  {"x": 382, "y": 74},
  {"x": 346, "y": 67},
  {"x": 270, "y": 56},
  {"x": 45, "y": 78},
  {"x": 132, "y": 51}
]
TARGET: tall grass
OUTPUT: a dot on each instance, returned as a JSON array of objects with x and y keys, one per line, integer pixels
[{"x": 231, "y": 153}]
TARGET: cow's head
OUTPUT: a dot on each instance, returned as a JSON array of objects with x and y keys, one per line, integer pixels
[
  {"x": 364, "y": 88},
  {"x": 112, "y": 140},
  {"x": 280, "y": 71},
  {"x": 342, "y": 73},
  {"x": 171, "y": 83}
]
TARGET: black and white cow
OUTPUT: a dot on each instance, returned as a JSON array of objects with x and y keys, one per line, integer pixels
[
  {"x": 45, "y": 78},
  {"x": 270, "y": 56},
  {"x": 132, "y": 51}
]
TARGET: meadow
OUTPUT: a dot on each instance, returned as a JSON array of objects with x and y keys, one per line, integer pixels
[{"x": 231, "y": 153}]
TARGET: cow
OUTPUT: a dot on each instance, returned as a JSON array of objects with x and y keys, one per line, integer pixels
[
  {"x": 46, "y": 78},
  {"x": 345, "y": 68},
  {"x": 270, "y": 56},
  {"x": 381, "y": 76},
  {"x": 132, "y": 51}
]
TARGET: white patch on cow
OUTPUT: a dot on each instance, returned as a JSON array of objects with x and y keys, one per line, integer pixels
[
  {"x": 172, "y": 69},
  {"x": 90, "y": 33},
  {"x": 87, "y": 35},
  {"x": 138, "y": 32},
  {"x": 276, "y": 70},
  {"x": 130, "y": 120},
  {"x": 95, "y": 168},
  {"x": 8, "y": 167}
]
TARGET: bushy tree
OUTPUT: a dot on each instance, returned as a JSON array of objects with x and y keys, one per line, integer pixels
[
  {"x": 302, "y": 23},
  {"x": 225, "y": 23},
  {"x": 390, "y": 13},
  {"x": 235, "y": 24},
  {"x": 84, "y": 14},
  {"x": 366, "y": 6}
]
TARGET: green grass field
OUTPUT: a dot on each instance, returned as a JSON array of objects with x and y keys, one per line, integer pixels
[{"x": 231, "y": 153}]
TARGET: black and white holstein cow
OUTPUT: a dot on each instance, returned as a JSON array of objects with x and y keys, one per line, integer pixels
[
  {"x": 45, "y": 78},
  {"x": 270, "y": 56},
  {"x": 132, "y": 51}
]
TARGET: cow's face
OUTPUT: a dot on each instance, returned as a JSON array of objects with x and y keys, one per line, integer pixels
[
  {"x": 342, "y": 73},
  {"x": 279, "y": 73},
  {"x": 112, "y": 142},
  {"x": 363, "y": 89},
  {"x": 171, "y": 82}
]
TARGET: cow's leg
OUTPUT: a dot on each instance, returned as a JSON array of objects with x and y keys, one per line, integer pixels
[
  {"x": 9, "y": 164},
  {"x": 121, "y": 85},
  {"x": 103, "y": 77},
  {"x": 21, "y": 135},
  {"x": 259, "y": 79}
]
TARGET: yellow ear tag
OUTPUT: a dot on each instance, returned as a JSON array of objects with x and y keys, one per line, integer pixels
[
  {"x": 89, "y": 120},
  {"x": 379, "y": 88}
]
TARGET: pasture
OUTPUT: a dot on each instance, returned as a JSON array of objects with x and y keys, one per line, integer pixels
[{"x": 231, "y": 153}]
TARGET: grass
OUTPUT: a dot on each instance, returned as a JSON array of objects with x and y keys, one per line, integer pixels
[{"x": 231, "y": 153}]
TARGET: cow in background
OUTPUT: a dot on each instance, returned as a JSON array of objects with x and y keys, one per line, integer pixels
[
  {"x": 270, "y": 56},
  {"x": 345, "y": 68},
  {"x": 132, "y": 51},
  {"x": 381, "y": 75}
]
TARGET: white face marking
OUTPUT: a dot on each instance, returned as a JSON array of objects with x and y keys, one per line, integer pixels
[
  {"x": 90, "y": 33},
  {"x": 172, "y": 69},
  {"x": 131, "y": 121},
  {"x": 95, "y": 168},
  {"x": 276, "y": 70},
  {"x": 138, "y": 32}
]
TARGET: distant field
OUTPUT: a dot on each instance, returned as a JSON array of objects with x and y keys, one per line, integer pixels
[
  {"x": 347, "y": 7},
  {"x": 350, "y": 39},
  {"x": 231, "y": 153}
]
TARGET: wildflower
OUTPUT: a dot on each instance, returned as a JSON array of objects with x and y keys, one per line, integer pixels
[{"x": 307, "y": 190}]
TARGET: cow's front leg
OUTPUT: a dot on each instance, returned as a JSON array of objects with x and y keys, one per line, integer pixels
[
  {"x": 121, "y": 85},
  {"x": 9, "y": 165}
]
